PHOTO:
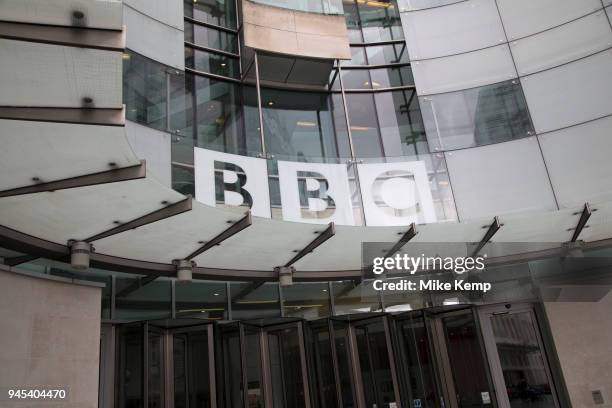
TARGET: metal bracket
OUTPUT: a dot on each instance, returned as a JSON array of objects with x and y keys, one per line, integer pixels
[
  {"x": 492, "y": 230},
  {"x": 408, "y": 235},
  {"x": 584, "y": 217},
  {"x": 168, "y": 211},
  {"x": 329, "y": 232},
  {"x": 236, "y": 227},
  {"x": 110, "y": 176}
]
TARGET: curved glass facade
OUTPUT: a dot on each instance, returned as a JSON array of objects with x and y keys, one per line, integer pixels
[{"x": 309, "y": 6}]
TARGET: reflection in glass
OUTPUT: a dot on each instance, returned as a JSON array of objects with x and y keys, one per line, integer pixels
[
  {"x": 254, "y": 300},
  {"x": 467, "y": 360},
  {"x": 154, "y": 369},
  {"x": 324, "y": 369},
  {"x": 286, "y": 368},
  {"x": 191, "y": 365},
  {"x": 478, "y": 116},
  {"x": 299, "y": 125},
  {"x": 387, "y": 54},
  {"x": 341, "y": 344},
  {"x": 253, "y": 368},
  {"x": 205, "y": 299},
  {"x": 130, "y": 343},
  {"x": 144, "y": 90},
  {"x": 522, "y": 361},
  {"x": 374, "y": 363},
  {"x": 306, "y": 300},
  {"x": 380, "y": 20},
  {"x": 364, "y": 125},
  {"x": 355, "y": 297},
  {"x": 418, "y": 366},
  {"x": 212, "y": 63},
  {"x": 310, "y": 6},
  {"x": 211, "y": 38},
  {"x": 151, "y": 301},
  {"x": 220, "y": 107},
  {"x": 232, "y": 372},
  {"x": 220, "y": 12}
]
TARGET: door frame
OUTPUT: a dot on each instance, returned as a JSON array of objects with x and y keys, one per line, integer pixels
[{"x": 485, "y": 315}]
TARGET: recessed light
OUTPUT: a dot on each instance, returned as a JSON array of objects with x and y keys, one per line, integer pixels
[
  {"x": 223, "y": 64},
  {"x": 270, "y": 103},
  {"x": 215, "y": 294}
]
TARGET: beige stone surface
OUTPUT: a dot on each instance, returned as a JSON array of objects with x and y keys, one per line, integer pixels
[
  {"x": 297, "y": 33},
  {"x": 582, "y": 332},
  {"x": 50, "y": 337}
]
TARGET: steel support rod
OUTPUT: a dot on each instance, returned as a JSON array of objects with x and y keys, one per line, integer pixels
[
  {"x": 110, "y": 176},
  {"x": 492, "y": 230},
  {"x": 235, "y": 228},
  {"x": 584, "y": 217},
  {"x": 329, "y": 232}
]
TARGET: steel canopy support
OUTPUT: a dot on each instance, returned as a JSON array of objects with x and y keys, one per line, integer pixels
[
  {"x": 329, "y": 232},
  {"x": 408, "y": 235},
  {"x": 139, "y": 283},
  {"x": 235, "y": 228},
  {"x": 492, "y": 230},
  {"x": 158, "y": 215},
  {"x": 110, "y": 176},
  {"x": 584, "y": 217}
]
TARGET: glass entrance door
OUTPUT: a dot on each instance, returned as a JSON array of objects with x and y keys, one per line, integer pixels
[
  {"x": 518, "y": 361},
  {"x": 461, "y": 361}
]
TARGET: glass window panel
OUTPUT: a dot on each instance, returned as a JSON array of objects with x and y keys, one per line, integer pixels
[
  {"x": 478, "y": 116},
  {"x": 587, "y": 148},
  {"x": 144, "y": 90},
  {"x": 419, "y": 364},
  {"x": 219, "y": 112},
  {"x": 391, "y": 77},
  {"x": 356, "y": 79},
  {"x": 286, "y": 368},
  {"x": 499, "y": 179},
  {"x": 253, "y": 300},
  {"x": 444, "y": 31},
  {"x": 219, "y": 12},
  {"x": 358, "y": 57},
  {"x": 298, "y": 125},
  {"x": 352, "y": 21},
  {"x": 232, "y": 372},
  {"x": 401, "y": 124},
  {"x": 201, "y": 298},
  {"x": 466, "y": 359},
  {"x": 210, "y": 37},
  {"x": 130, "y": 345},
  {"x": 152, "y": 301},
  {"x": 364, "y": 125},
  {"x": 306, "y": 300},
  {"x": 464, "y": 71},
  {"x": 566, "y": 43},
  {"x": 210, "y": 62},
  {"x": 181, "y": 101},
  {"x": 355, "y": 297},
  {"x": 324, "y": 382},
  {"x": 526, "y": 17},
  {"x": 155, "y": 353},
  {"x": 522, "y": 361},
  {"x": 570, "y": 94},
  {"x": 387, "y": 54},
  {"x": 310, "y": 6},
  {"x": 380, "y": 21}
]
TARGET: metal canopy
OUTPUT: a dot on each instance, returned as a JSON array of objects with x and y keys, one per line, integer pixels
[
  {"x": 235, "y": 228},
  {"x": 492, "y": 230}
]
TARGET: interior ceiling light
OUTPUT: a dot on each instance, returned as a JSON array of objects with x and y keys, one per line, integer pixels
[
  {"x": 305, "y": 123},
  {"x": 360, "y": 128},
  {"x": 270, "y": 103}
]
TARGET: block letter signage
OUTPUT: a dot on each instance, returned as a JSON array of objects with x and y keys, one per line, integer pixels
[
  {"x": 232, "y": 180},
  {"x": 315, "y": 193},
  {"x": 396, "y": 193}
]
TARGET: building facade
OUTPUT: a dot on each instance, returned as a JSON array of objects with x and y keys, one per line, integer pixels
[{"x": 192, "y": 193}]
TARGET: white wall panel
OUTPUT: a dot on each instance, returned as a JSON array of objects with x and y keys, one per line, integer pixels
[
  {"x": 46, "y": 75},
  {"x": 579, "y": 161},
  {"x": 562, "y": 44},
  {"x": 154, "y": 147},
  {"x": 97, "y": 14},
  {"x": 464, "y": 71},
  {"x": 154, "y": 39},
  {"x": 526, "y": 17},
  {"x": 498, "y": 179},
  {"x": 570, "y": 94},
  {"x": 167, "y": 11},
  {"x": 454, "y": 29}
]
